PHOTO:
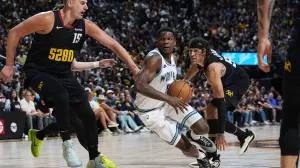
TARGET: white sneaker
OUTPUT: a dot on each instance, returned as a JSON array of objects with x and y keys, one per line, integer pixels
[
  {"x": 128, "y": 130},
  {"x": 69, "y": 154},
  {"x": 97, "y": 163},
  {"x": 107, "y": 131},
  {"x": 112, "y": 124},
  {"x": 138, "y": 128}
]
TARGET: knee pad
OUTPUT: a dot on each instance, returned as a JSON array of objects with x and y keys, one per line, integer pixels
[{"x": 289, "y": 143}]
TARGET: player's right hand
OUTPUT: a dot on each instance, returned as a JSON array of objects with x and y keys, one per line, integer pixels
[
  {"x": 264, "y": 47},
  {"x": 7, "y": 73},
  {"x": 177, "y": 104}
]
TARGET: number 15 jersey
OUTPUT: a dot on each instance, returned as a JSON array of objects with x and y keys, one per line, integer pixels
[{"x": 54, "y": 52}]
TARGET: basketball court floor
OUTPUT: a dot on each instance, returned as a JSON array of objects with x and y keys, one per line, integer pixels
[{"x": 143, "y": 150}]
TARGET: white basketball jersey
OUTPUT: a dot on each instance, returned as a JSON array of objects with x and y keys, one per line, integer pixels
[{"x": 161, "y": 82}]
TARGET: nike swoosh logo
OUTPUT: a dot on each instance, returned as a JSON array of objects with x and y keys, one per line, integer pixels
[{"x": 59, "y": 27}]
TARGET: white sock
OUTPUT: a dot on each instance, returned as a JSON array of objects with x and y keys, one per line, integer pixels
[
  {"x": 201, "y": 155},
  {"x": 195, "y": 136}
]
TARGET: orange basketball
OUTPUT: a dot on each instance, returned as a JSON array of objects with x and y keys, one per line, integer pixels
[{"x": 181, "y": 89}]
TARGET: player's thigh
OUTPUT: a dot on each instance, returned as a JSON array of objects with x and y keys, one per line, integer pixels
[
  {"x": 185, "y": 118},
  {"x": 232, "y": 97},
  {"x": 166, "y": 129},
  {"x": 289, "y": 132},
  {"x": 49, "y": 87},
  {"x": 75, "y": 90}
]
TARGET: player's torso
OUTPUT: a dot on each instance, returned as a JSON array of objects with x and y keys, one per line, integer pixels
[
  {"x": 231, "y": 67},
  {"x": 163, "y": 79},
  {"x": 54, "y": 52}
]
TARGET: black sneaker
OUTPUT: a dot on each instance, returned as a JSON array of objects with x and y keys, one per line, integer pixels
[
  {"x": 205, "y": 143},
  {"x": 204, "y": 163},
  {"x": 244, "y": 144},
  {"x": 214, "y": 162}
]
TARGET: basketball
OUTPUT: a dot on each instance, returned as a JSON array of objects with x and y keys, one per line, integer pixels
[{"x": 181, "y": 89}]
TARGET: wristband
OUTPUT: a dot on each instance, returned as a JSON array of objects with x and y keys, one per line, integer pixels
[
  {"x": 222, "y": 111},
  {"x": 96, "y": 64}
]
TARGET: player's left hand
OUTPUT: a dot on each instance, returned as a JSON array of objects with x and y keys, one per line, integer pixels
[
  {"x": 264, "y": 48},
  {"x": 221, "y": 142},
  {"x": 107, "y": 63}
]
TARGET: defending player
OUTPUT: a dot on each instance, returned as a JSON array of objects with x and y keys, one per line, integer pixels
[
  {"x": 229, "y": 83},
  {"x": 59, "y": 35},
  {"x": 289, "y": 140},
  {"x": 161, "y": 113}
]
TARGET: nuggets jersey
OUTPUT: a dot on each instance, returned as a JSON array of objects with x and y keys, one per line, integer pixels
[
  {"x": 232, "y": 69},
  {"x": 164, "y": 78},
  {"x": 54, "y": 52}
]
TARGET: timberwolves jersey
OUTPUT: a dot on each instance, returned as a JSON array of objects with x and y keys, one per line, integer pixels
[
  {"x": 232, "y": 68},
  {"x": 164, "y": 78},
  {"x": 54, "y": 52}
]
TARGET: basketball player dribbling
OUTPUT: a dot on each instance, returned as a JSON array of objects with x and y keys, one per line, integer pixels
[
  {"x": 160, "y": 112},
  {"x": 59, "y": 36},
  {"x": 229, "y": 83},
  {"x": 289, "y": 140}
]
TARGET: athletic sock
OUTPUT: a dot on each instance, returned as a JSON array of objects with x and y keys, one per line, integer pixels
[
  {"x": 40, "y": 135},
  {"x": 232, "y": 129},
  {"x": 93, "y": 152},
  {"x": 65, "y": 135}
]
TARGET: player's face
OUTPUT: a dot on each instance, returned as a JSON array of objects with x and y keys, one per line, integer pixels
[
  {"x": 78, "y": 8},
  {"x": 196, "y": 55},
  {"x": 166, "y": 42}
]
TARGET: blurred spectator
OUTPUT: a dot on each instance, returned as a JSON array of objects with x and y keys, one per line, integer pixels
[
  {"x": 100, "y": 114},
  {"x": 128, "y": 106},
  {"x": 13, "y": 103},
  {"x": 28, "y": 107}
]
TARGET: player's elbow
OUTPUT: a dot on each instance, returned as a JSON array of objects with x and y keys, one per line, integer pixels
[
  {"x": 138, "y": 87},
  {"x": 14, "y": 33}
]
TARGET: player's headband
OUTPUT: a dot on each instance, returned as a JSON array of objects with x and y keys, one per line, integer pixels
[{"x": 196, "y": 45}]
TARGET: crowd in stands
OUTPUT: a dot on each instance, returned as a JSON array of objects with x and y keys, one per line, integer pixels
[{"x": 230, "y": 25}]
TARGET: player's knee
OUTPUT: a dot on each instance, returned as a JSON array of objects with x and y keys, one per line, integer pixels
[
  {"x": 200, "y": 127},
  {"x": 290, "y": 143}
]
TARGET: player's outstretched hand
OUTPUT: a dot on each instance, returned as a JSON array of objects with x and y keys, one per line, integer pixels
[
  {"x": 107, "y": 63},
  {"x": 177, "y": 104},
  {"x": 264, "y": 48},
  {"x": 221, "y": 142},
  {"x": 7, "y": 73}
]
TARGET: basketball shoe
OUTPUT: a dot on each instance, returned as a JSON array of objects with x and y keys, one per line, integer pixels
[
  {"x": 35, "y": 143},
  {"x": 205, "y": 143},
  {"x": 244, "y": 143},
  {"x": 204, "y": 162},
  {"x": 214, "y": 162},
  {"x": 101, "y": 162},
  {"x": 70, "y": 155}
]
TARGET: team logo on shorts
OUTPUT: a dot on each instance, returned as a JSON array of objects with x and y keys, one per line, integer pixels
[
  {"x": 40, "y": 85},
  {"x": 229, "y": 93},
  {"x": 288, "y": 66}
]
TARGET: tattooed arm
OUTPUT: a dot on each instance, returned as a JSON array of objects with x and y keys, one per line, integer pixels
[{"x": 264, "y": 12}]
